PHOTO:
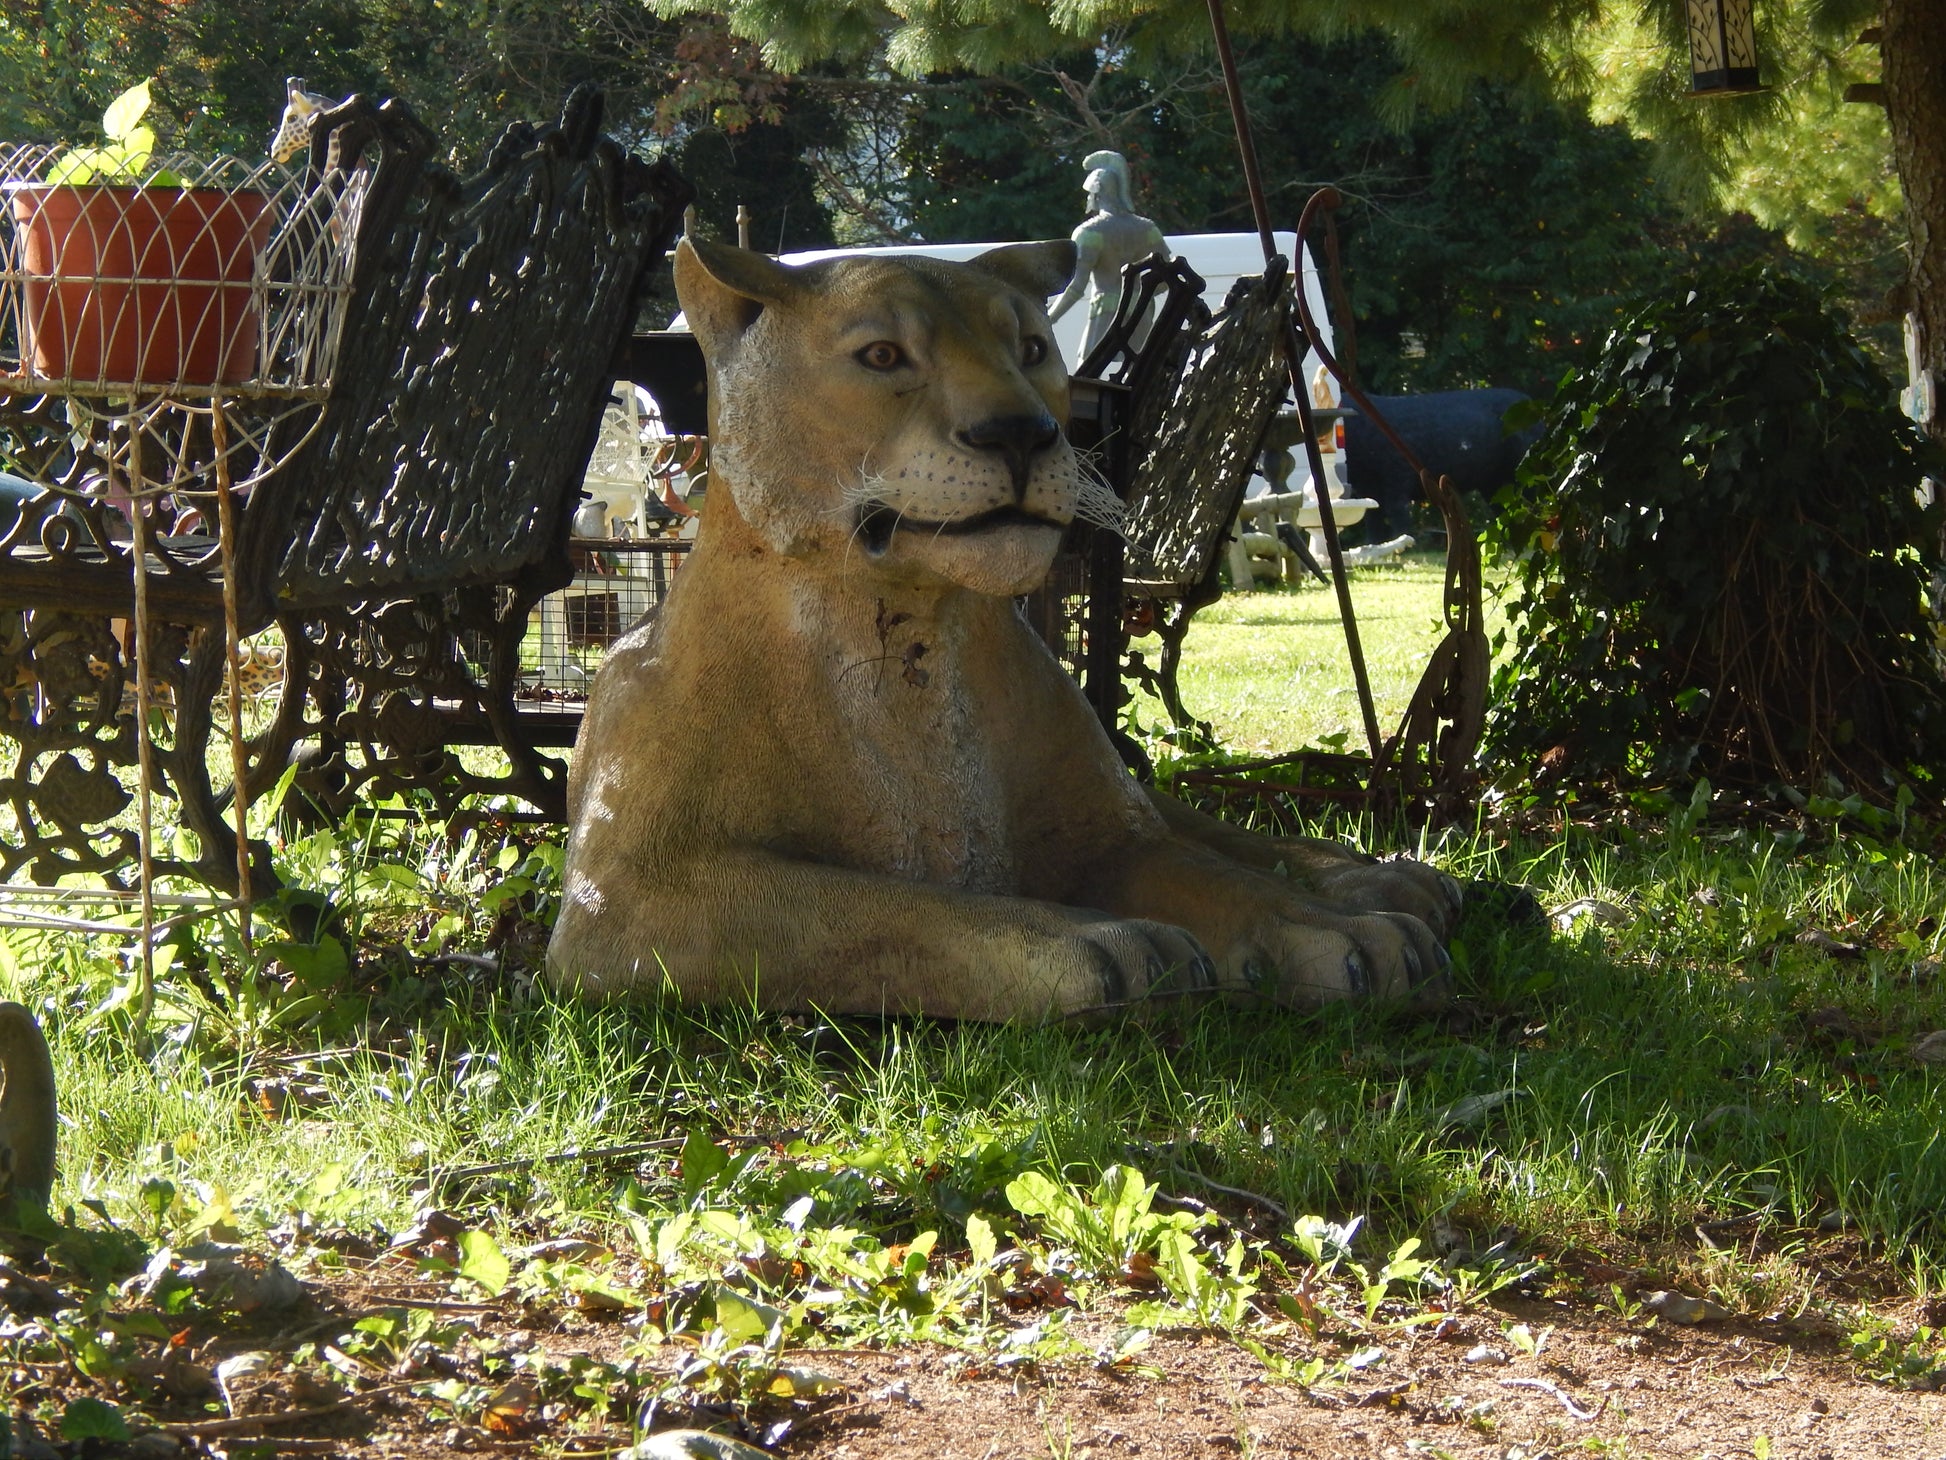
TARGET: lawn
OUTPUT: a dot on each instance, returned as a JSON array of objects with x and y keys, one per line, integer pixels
[
  {"x": 518, "y": 1222},
  {"x": 1270, "y": 672}
]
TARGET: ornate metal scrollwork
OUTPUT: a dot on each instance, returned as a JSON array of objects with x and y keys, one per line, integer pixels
[{"x": 390, "y": 695}]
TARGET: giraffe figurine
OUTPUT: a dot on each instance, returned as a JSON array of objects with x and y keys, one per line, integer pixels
[{"x": 301, "y": 112}]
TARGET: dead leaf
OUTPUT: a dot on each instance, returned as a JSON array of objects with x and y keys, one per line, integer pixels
[
  {"x": 1567, "y": 915},
  {"x": 1930, "y": 1049},
  {"x": 510, "y": 1411},
  {"x": 692, "y": 1445},
  {"x": 1831, "y": 947},
  {"x": 1474, "y": 1109},
  {"x": 1681, "y": 1308}
]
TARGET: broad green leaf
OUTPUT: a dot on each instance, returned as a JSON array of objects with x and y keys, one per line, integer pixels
[
  {"x": 802, "y": 1384},
  {"x": 218, "y": 1216},
  {"x": 119, "y": 121},
  {"x": 744, "y": 1320},
  {"x": 320, "y": 964},
  {"x": 482, "y": 1261},
  {"x": 92, "y": 1419},
  {"x": 702, "y": 1162},
  {"x": 979, "y": 1237},
  {"x": 1033, "y": 1195},
  {"x": 77, "y": 168},
  {"x": 139, "y": 1324}
]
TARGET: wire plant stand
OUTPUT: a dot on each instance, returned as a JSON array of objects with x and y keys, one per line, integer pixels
[{"x": 166, "y": 343}]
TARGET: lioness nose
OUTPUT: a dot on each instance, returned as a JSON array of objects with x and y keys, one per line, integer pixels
[{"x": 1017, "y": 440}]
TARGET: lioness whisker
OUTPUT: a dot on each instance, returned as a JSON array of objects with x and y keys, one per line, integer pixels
[{"x": 1095, "y": 501}]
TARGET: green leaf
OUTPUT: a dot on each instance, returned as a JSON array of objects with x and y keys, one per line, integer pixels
[
  {"x": 481, "y": 1261},
  {"x": 1033, "y": 1195},
  {"x": 320, "y": 965},
  {"x": 789, "y": 1383},
  {"x": 119, "y": 121},
  {"x": 93, "y": 1419},
  {"x": 979, "y": 1237},
  {"x": 744, "y": 1320},
  {"x": 703, "y": 1161},
  {"x": 139, "y": 1325},
  {"x": 77, "y": 168}
]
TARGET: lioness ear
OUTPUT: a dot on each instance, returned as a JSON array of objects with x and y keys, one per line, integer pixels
[
  {"x": 722, "y": 289},
  {"x": 1039, "y": 269}
]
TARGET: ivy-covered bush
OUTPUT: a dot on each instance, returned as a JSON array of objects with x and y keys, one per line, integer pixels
[{"x": 1720, "y": 557}]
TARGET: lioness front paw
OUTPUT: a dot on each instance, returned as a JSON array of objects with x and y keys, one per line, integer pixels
[
  {"x": 1303, "y": 962},
  {"x": 1115, "y": 963},
  {"x": 1401, "y": 885}
]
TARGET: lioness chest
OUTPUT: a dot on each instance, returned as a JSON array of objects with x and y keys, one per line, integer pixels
[{"x": 920, "y": 776}]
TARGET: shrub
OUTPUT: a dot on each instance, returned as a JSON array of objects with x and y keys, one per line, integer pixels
[{"x": 1721, "y": 557}]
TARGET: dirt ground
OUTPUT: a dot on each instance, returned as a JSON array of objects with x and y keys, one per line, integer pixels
[
  {"x": 1596, "y": 1387},
  {"x": 1690, "y": 1394}
]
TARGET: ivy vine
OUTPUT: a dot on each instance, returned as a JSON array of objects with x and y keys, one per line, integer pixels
[{"x": 1721, "y": 555}]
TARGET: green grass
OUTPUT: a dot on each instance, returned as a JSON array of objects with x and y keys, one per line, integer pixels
[
  {"x": 1270, "y": 672},
  {"x": 1687, "y": 1062},
  {"x": 1674, "y": 1069}
]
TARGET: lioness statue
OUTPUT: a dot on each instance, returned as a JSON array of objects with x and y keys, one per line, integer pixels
[{"x": 839, "y": 770}]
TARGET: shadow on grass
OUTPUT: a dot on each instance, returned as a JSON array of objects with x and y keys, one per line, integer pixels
[{"x": 1611, "y": 1087}]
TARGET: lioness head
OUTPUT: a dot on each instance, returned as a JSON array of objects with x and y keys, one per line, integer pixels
[{"x": 903, "y": 415}]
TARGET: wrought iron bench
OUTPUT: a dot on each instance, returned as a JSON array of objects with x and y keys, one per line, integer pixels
[
  {"x": 424, "y": 509},
  {"x": 1174, "y": 402}
]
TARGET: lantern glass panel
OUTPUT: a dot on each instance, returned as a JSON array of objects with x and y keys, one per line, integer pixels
[{"x": 1722, "y": 47}]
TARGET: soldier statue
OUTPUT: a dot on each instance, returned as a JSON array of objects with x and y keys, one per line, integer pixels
[{"x": 1113, "y": 237}]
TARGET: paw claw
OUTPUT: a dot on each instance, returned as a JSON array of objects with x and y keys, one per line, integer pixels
[
  {"x": 1357, "y": 980},
  {"x": 1455, "y": 894}
]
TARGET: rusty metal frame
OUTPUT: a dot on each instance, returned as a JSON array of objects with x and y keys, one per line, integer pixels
[{"x": 1426, "y": 767}]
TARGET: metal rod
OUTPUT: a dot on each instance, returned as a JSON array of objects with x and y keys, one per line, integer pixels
[
  {"x": 28, "y": 892},
  {"x": 1294, "y": 359},
  {"x": 219, "y": 431},
  {"x": 144, "y": 752},
  {"x": 50, "y": 923}
]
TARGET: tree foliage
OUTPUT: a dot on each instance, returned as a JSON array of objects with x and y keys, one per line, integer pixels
[
  {"x": 1489, "y": 245},
  {"x": 1722, "y": 557}
]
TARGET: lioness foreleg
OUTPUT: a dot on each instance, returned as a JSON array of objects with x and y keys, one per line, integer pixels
[
  {"x": 793, "y": 935},
  {"x": 1353, "y": 880}
]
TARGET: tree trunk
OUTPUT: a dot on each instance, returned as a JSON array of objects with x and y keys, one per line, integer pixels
[{"x": 1914, "y": 50}]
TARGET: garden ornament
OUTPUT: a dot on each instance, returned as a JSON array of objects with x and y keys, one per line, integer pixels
[
  {"x": 892, "y": 798},
  {"x": 27, "y": 1116},
  {"x": 1113, "y": 237},
  {"x": 301, "y": 112}
]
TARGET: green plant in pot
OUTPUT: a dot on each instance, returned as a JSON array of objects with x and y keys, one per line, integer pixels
[{"x": 132, "y": 277}]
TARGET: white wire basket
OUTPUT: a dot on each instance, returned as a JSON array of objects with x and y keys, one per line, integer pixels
[
  {"x": 140, "y": 310},
  {"x": 200, "y": 277}
]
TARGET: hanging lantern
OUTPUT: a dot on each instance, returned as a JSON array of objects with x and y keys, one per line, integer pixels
[{"x": 1722, "y": 48}]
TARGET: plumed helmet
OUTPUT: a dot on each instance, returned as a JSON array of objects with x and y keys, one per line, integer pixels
[{"x": 1108, "y": 179}]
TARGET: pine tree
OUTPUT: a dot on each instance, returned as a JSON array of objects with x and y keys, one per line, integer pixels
[{"x": 1445, "y": 44}]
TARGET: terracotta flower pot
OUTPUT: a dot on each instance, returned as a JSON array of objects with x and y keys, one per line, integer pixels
[{"x": 146, "y": 287}]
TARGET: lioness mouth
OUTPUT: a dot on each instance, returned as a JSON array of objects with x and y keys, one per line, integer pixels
[{"x": 877, "y": 522}]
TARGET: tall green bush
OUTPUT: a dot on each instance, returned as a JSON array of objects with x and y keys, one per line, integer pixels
[{"x": 1721, "y": 557}]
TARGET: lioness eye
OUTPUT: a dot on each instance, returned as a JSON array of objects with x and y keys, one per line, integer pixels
[
  {"x": 881, "y": 355},
  {"x": 1033, "y": 350}
]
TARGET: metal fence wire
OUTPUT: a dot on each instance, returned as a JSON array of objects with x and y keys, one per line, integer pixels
[{"x": 196, "y": 277}]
